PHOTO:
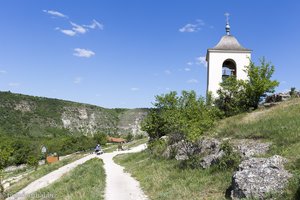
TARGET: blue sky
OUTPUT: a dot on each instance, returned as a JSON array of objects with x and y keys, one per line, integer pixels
[{"x": 122, "y": 53}]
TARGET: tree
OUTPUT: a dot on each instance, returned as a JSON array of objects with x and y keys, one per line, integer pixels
[
  {"x": 100, "y": 138},
  {"x": 5, "y": 153},
  {"x": 259, "y": 81},
  {"x": 33, "y": 161},
  {"x": 129, "y": 137},
  {"x": 237, "y": 96},
  {"x": 293, "y": 92},
  {"x": 231, "y": 97},
  {"x": 187, "y": 115}
]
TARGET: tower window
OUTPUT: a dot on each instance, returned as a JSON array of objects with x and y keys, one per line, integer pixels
[{"x": 228, "y": 69}]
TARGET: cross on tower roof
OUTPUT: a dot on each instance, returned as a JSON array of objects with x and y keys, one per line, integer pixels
[{"x": 227, "y": 27}]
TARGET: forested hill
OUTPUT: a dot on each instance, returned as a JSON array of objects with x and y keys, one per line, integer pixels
[{"x": 23, "y": 115}]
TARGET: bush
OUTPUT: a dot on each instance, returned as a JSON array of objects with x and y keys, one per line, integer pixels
[
  {"x": 230, "y": 159},
  {"x": 100, "y": 138},
  {"x": 187, "y": 114},
  {"x": 129, "y": 137},
  {"x": 193, "y": 162},
  {"x": 157, "y": 147},
  {"x": 33, "y": 161}
]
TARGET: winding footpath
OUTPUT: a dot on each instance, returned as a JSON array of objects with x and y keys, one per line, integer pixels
[{"x": 119, "y": 185}]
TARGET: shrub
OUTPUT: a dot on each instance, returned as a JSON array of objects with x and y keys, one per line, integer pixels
[
  {"x": 157, "y": 147},
  {"x": 100, "y": 138},
  {"x": 129, "y": 137},
  {"x": 230, "y": 159},
  {"x": 187, "y": 114},
  {"x": 33, "y": 161}
]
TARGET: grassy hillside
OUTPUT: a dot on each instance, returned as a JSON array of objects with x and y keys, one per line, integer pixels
[
  {"x": 27, "y": 123},
  {"x": 280, "y": 125},
  {"x": 23, "y": 115}
]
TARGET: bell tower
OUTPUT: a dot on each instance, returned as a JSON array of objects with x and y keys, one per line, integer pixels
[{"x": 227, "y": 58}]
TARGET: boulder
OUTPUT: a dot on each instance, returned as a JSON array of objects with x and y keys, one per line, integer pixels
[
  {"x": 208, "y": 148},
  {"x": 259, "y": 177}
]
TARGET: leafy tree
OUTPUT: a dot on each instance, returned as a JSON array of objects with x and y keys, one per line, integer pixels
[
  {"x": 187, "y": 115},
  {"x": 259, "y": 81},
  {"x": 237, "y": 96},
  {"x": 231, "y": 96},
  {"x": 293, "y": 92},
  {"x": 33, "y": 161},
  {"x": 129, "y": 137},
  {"x": 5, "y": 153},
  {"x": 100, "y": 138}
]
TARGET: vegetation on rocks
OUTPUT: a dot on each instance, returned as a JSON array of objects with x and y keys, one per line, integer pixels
[{"x": 181, "y": 121}]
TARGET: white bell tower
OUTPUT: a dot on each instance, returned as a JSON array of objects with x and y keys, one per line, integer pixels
[{"x": 227, "y": 58}]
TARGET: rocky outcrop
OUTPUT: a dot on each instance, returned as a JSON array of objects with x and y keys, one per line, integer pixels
[
  {"x": 208, "y": 148},
  {"x": 250, "y": 148},
  {"x": 258, "y": 177}
]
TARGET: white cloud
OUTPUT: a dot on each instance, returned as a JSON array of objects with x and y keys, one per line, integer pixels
[
  {"x": 68, "y": 32},
  {"x": 78, "y": 80},
  {"x": 189, "y": 28},
  {"x": 134, "y": 89},
  {"x": 3, "y": 72},
  {"x": 14, "y": 84},
  {"x": 95, "y": 24},
  {"x": 187, "y": 69},
  {"x": 192, "y": 27},
  {"x": 168, "y": 72},
  {"x": 201, "y": 60},
  {"x": 78, "y": 29},
  {"x": 83, "y": 53},
  {"x": 55, "y": 13},
  {"x": 189, "y": 63},
  {"x": 192, "y": 81}
]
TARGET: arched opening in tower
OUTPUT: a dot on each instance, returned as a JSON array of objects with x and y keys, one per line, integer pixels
[{"x": 228, "y": 69}]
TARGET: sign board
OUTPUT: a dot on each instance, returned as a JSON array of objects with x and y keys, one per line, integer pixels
[{"x": 44, "y": 149}]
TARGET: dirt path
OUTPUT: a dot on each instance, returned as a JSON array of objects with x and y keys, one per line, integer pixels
[{"x": 119, "y": 185}]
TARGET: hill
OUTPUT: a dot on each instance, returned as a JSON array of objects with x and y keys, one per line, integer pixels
[
  {"x": 23, "y": 115},
  {"x": 278, "y": 125}
]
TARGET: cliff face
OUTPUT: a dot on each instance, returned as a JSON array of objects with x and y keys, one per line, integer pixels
[{"x": 38, "y": 116}]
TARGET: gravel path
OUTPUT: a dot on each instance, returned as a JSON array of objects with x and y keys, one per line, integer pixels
[{"x": 119, "y": 185}]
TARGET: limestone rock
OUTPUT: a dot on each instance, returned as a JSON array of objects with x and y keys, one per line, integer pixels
[
  {"x": 250, "y": 148},
  {"x": 209, "y": 148},
  {"x": 258, "y": 177}
]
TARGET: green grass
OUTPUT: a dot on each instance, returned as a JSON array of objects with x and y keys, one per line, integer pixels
[
  {"x": 163, "y": 180},
  {"x": 41, "y": 171},
  {"x": 87, "y": 181},
  {"x": 279, "y": 125}
]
